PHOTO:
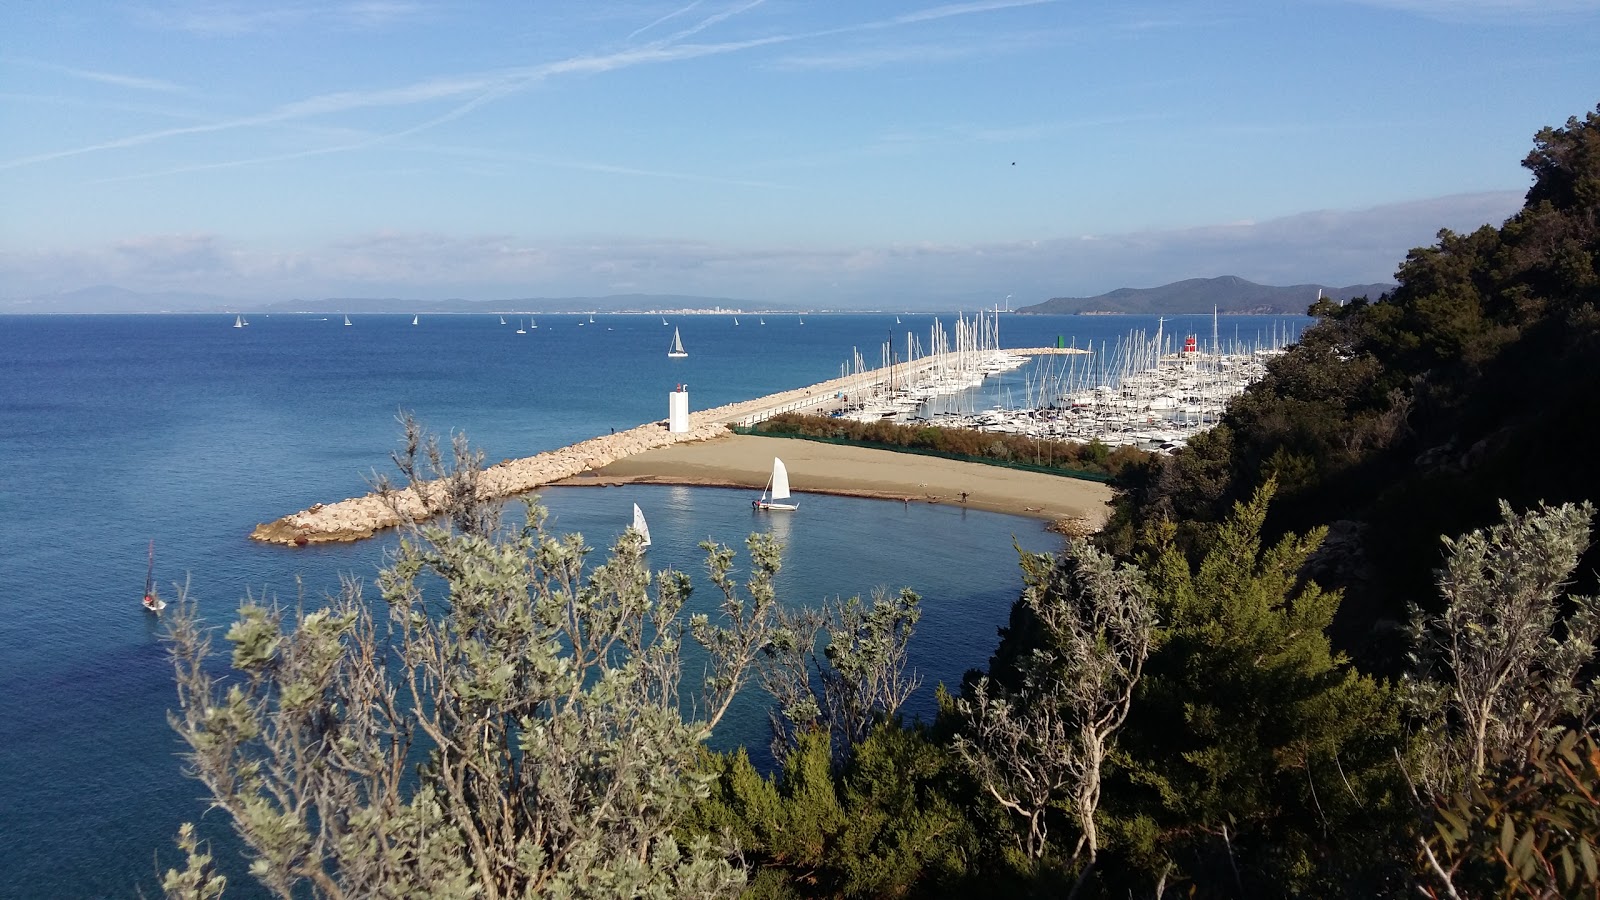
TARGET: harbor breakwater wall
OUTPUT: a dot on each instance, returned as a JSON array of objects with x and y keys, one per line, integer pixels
[{"x": 362, "y": 517}]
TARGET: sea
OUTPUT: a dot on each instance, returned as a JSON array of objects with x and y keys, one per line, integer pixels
[{"x": 182, "y": 430}]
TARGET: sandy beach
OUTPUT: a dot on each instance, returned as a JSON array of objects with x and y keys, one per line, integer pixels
[
  {"x": 746, "y": 461},
  {"x": 708, "y": 454}
]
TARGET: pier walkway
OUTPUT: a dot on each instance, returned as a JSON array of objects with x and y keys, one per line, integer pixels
[{"x": 361, "y": 517}]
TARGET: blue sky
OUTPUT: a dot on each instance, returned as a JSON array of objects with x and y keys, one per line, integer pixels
[{"x": 879, "y": 153}]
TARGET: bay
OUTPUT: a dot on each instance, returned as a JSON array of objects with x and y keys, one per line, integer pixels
[{"x": 119, "y": 430}]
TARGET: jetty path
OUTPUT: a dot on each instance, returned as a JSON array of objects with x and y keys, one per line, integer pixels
[{"x": 362, "y": 517}]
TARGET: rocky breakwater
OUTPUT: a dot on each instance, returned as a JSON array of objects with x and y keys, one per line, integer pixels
[{"x": 362, "y": 517}]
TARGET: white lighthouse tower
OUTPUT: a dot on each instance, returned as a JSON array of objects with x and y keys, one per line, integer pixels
[{"x": 678, "y": 410}]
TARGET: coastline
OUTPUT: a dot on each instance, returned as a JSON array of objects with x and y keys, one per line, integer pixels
[
  {"x": 745, "y": 461},
  {"x": 361, "y": 517}
]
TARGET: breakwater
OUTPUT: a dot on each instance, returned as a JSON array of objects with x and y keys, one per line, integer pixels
[{"x": 362, "y": 517}]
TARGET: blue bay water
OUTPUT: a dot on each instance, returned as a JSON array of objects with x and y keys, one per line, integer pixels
[{"x": 118, "y": 430}]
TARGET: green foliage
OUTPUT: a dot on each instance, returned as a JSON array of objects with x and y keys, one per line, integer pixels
[
  {"x": 1409, "y": 416},
  {"x": 1257, "y": 760},
  {"x": 840, "y": 669},
  {"x": 1067, "y": 457},
  {"x": 520, "y": 734},
  {"x": 1530, "y": 827},
  {"x": 1502, "y": 666},
  {"x": 1040, "y": 745},
  {"x": 881, "y": 825}
]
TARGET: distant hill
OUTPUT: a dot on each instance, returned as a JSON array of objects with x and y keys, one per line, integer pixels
[{"x": 1228, "y": 293}]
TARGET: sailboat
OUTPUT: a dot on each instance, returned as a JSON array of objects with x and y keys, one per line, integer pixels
[
  {"x": 414, "y": 319},
  {"x": 802, "y": 320},
  {"x": 676, "y": 351},
  {"x": 640, "y": 525},
  {"x": 347, "y": 320},
  {"x": 533, "y": 323},
  {"x": 735, "y": 320},
  {"x": 520, "y": 329},
  {"x": 238, "y": 321},
  {"x": 777, "y": 489},
  {"x": 502, "y": 320},
  {"x": 151, "y": 601},
  {"x": 897, "y": 320},
  {"x": 591, "y": 320},
  {"x": 760, "y": 320}
]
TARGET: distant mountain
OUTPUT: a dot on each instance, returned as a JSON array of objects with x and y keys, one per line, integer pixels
[{"x": 1227, "y": 293}]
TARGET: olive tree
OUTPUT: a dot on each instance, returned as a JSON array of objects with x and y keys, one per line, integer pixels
[
  {"x": 1046, "y": 743},
  {"x": 1501, "y": 665},
  {"x": 507, "y": 721}
]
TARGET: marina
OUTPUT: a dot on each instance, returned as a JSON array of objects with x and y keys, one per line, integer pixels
[{"x": 1142, "y": 394}]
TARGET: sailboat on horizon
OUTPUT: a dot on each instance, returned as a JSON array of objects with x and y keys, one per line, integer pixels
[
  {"x": 777, "y": 489},
  {"x": 676, "y": 351},
  {"x": 640, "y": 525},
  {"x": 414, "y": 319},
  {"x": 151, "y": 601},
  {"x": 520, "y": 329},
  {"x": 347, "y": 320},
  {"x": 238, "y": 321}
]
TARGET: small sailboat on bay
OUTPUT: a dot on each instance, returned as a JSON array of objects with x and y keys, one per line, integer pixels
[
  {"x": 640, "y": 525},
  {"x": 151, "y": 601},
  {"x": 502, "y": 320},
  {"x": 777, "y": 489},
  {"x": 520, "y": 329},
  {"x": 676, "y": 351},
  {"x": 347, "y": 320},
  {"x": 238, "y": 321},
  {"x": 414, "y": 319}
]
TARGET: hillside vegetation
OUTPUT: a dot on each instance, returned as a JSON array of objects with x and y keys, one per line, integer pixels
[{"x": 1396, "y": 421}]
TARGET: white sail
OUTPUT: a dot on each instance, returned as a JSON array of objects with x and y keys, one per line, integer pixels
[
  {"x": 414, "y": 319},
  {"x": 777, "y": 490},
  {"x": 347, "y": 320},
  {"x": 238, "y": 321},
  {"x": 640, "y": 525},
  {"x": 780, "y": 480},
  {"x": 676, "y": 350}
]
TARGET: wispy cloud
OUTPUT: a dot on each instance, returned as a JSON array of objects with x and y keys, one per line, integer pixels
[
  {"x": 115, "y": 79},
  {"x": 485, "y": 88},
  {"x": 230, "y": 18},
  {"x": 664, "y": 19},
  {"x": 1507, "y": 12}
]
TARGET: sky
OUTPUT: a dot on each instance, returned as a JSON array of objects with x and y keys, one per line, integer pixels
[{"x": 873, "y": 154}]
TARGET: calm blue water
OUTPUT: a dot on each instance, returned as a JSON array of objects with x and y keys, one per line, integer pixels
[{"x": 115, "y": 430}]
